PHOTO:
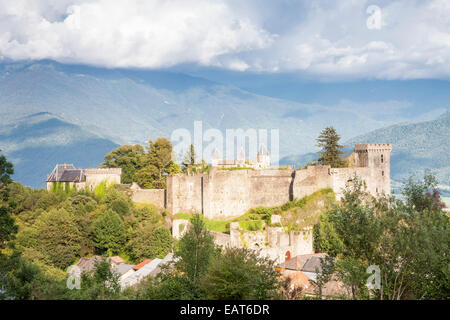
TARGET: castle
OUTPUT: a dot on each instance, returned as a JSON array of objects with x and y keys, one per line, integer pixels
[
  {"x": 222, "y": 194},
  {"x": 262, "y": 160}
]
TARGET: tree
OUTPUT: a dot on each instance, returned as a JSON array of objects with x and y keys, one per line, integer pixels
[
  {"x": 109, "y": 232},
  {"x": 240, "y": 274},
  {"x": 327, "y": 265},
  {"x": 8, "y": 228},
  {"x": 160, "y": 155},
  {"x": 127, "y": 157},
  {"x": 407, "y": 240},
  {"x": 196, "y": 250},
  {"x": 151, "y": 243},
  {"x": 6, "y": 170},
  {"x": 189, "y": 158},
  {"x": 58, "y": 237},
  {"x": 157, "y": 163},
  {"x": 102, "y": 284},
  {"x": 328, "y": 141}
]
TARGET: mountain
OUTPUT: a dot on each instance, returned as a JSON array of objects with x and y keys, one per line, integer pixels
[
  {"x": 37, "y": 142},
  {"x": 416, "y": 147},
  {"x": 53, "y": 113}
]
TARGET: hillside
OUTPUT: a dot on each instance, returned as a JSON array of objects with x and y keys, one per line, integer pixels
[
  {"x": 53, "y": 112},
  {"x": 131, "y": 106},
  {"x": 37, "y": 142},
  {"x": 416, "y": 146}
]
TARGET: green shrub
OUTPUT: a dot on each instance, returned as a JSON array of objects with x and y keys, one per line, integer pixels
[{"x": 251, "y": 225}]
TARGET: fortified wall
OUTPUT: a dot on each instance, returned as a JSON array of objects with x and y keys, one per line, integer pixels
[
  {"x": 271, "y": 242},
  {"x": 224, "y": 194}
]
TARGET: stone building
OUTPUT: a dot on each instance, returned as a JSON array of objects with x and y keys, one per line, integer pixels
[
  {"x": 262, "y": 160},
  {"x": 68, "y": 174}
]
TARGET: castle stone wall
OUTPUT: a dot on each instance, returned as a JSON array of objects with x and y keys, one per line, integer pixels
[
  {"x": 270, "y": 187},
  {"x": 311, "y": 179},
  {"x": 96, "y": 176},
  {"x": 224, "y": 194},
  {"x": 184, "y": 193},
  {"x": 153, "y": 196}
]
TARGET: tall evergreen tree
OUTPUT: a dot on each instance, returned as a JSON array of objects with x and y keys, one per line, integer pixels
[
  {"x": 189, "y": 158},
  {"x": 331, "y": 152}
]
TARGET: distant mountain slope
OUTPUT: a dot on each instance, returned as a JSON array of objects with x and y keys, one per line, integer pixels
[
  {"x": 416, "y": 146},
  {"x": 53, "y": 112},
  {"x": 36, "y": 143},
  {"x": 134, "y": 106}
]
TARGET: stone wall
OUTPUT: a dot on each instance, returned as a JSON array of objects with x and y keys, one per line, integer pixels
[
  {"x": 96, "y": 176},
  {"x": 272, "y": 242},
  {"x": 184, "y": 193},
  {"x": 225, "y": 194},
  {"x": 153, "y": 196}
]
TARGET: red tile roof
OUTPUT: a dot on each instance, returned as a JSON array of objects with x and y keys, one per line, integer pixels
[{"x": 143, "y": 263}]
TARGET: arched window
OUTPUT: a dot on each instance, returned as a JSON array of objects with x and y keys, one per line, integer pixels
[{"x": 382, "y": 159}]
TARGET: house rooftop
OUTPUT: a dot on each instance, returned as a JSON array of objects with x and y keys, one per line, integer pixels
[
  {"x": 142, "y": 264},
  {"x": 300, "y": 262}
]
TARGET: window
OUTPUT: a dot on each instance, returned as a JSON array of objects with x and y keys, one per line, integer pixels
[
  {"x": 382, "y": 159},
  {"x": 382, "y": 173}
]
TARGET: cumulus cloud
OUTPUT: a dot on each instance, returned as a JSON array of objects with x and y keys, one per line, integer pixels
[{"x": 327, "y": 39}]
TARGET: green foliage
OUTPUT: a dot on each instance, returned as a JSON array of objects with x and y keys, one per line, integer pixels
[
  {"x": 328, "y": 141},
  {"x": 101, "y": 188},
  {"x": 196, "y": 250},
  {"x": 251, "y": 225},
  {"x": 408, "y": 240},
  {"x": 127, "y": 157},
  {"x": 147, "y": 167},
  {"x": 8, "y": 228},
  {"x": 150, "y": 243},
  {"x": 6, "y": 171},
  {"x": 24, "y": 280},
  {"x": 240, "y": 274},
  {"x": 58, "y": 237},
  {"x": 102, "y": 284},
  {"x": 109, "y": 232},
  {"x": 55, "y": 229},
  {"x": 189, "y": 158}
]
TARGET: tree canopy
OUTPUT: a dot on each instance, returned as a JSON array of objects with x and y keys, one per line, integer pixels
[{"x": 147, "y": 166}]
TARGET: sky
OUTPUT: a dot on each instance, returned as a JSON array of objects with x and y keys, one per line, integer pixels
[{"x": 325, "y": 40}]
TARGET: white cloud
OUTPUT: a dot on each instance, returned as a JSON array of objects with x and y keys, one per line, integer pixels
[{"x": 327, "y": 39}]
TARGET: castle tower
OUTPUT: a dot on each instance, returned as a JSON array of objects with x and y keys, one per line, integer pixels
[
  {"x": 263, "y": 157},
  {"x": 377, "y": 157}
]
